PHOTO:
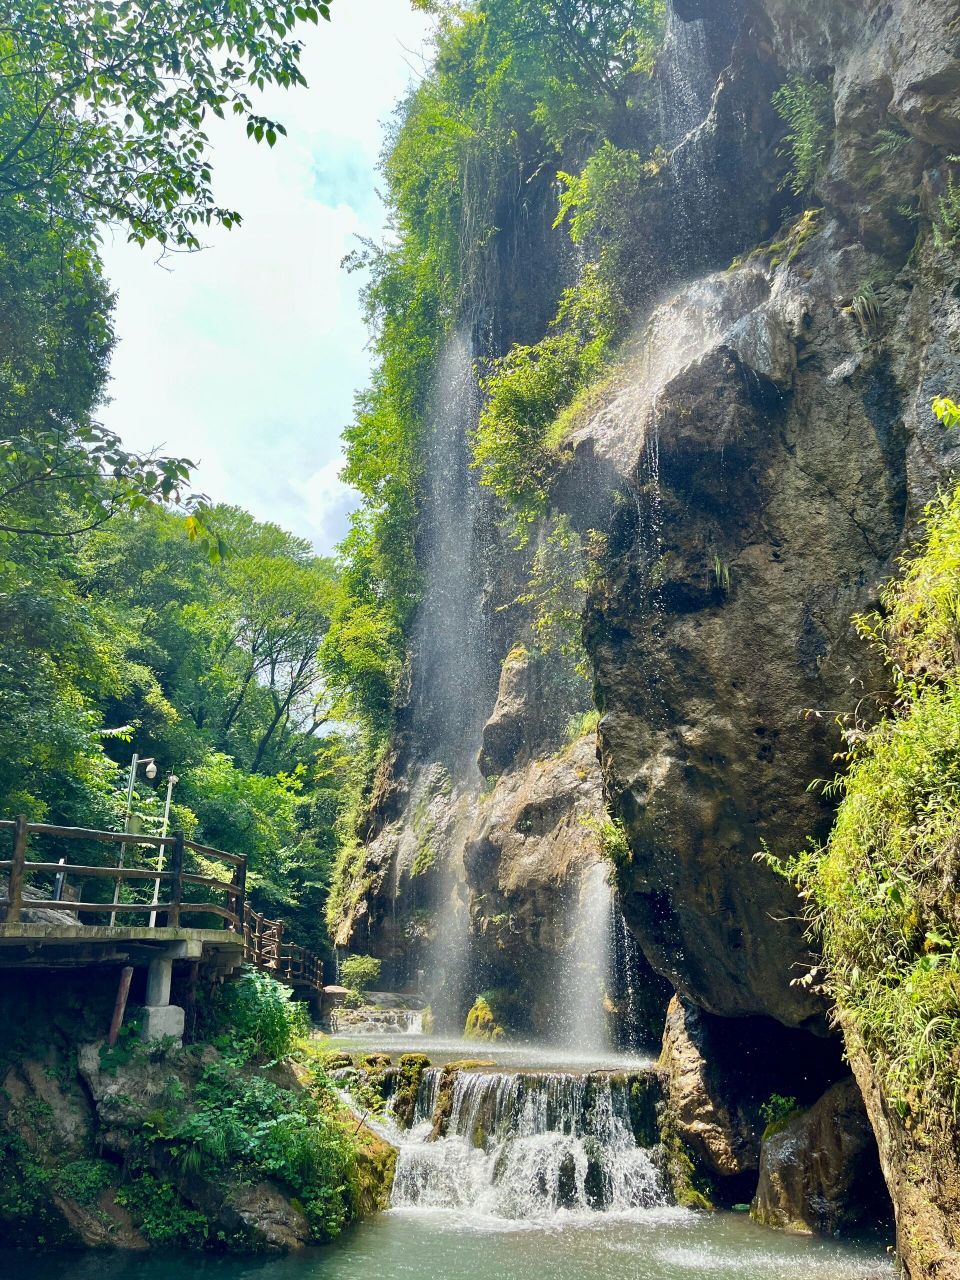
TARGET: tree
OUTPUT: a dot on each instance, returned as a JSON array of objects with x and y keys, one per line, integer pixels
[
  {"x": 104, "y": 103},
  {"x": 359, "y": 973}
]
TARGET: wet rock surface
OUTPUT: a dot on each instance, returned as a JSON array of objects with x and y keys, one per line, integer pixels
[
  {"x": 754, "y": 467},
  {"x": 819, "y": 1169}
]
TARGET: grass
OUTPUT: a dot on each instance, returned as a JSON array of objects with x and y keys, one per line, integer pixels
[
  {"x": 579, "y": 726},
  {"x": 877, "y": 894}
]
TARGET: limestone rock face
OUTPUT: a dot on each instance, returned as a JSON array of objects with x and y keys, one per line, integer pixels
[
  {"x": 922, "y": 1173},
  {"x": 820, "y": 1173},
  {"x": 508, "y": 728},
  {"x": 764, "y": 520},
  {"x": 723, "y": 1136}
]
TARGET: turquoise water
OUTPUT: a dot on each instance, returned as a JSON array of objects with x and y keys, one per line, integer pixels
[{"x": 657, "y": 1244}]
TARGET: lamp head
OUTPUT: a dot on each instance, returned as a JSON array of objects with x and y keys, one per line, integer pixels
[{"x": 151, "y": 770}]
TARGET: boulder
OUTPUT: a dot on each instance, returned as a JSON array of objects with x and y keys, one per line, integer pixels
[
  {"x": 266, "y": 1215},
  {"x": 722, "y": 1137},
  {"x": 509, "y": 726},
  {"x": 820, "y": 1171}
]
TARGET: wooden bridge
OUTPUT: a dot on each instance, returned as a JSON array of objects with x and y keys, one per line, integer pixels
[{"x": 189, "y": 903}]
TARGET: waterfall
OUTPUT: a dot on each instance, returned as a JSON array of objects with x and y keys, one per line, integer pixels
[
  {"x": 454, "y": 665},
  {"x": 686, "y": 83},
  {"x": 683, "y": 78},
  {"x": 526, "y": 1146},
  {"x": 586, "y": 967},
  {"x": 626, "y": 965},
  {"x": 450, "y": 950}
]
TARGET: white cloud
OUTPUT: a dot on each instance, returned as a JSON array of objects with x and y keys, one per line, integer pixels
[
  {"x": 328, "y": 502},
  {"x": 246, "y": 357}
]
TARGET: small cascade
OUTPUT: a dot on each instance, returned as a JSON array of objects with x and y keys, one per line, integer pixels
[
  {"x": 627, "y": 962},
  {"x": 714, "y": 308},
  {"x": 685, "y": 85},
  {"x": 526, "y": 1146},
  {"x": 370, "y": 1021},
  {"x": 586, "y": 968}
]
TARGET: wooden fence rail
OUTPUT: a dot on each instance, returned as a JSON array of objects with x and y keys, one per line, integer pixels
[{"x": 263, "y": 942}]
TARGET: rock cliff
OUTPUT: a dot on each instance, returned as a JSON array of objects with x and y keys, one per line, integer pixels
[{"x": 746, "y": 477}]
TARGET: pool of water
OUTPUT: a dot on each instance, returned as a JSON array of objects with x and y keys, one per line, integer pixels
[
  {"x": 659, "y": 1244},
  {"x": 506, "y": 1055}
]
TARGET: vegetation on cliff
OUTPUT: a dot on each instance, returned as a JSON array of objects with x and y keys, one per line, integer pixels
[
  {"x": 880, "y": 892},
  {"x": 237, "y": 1141},
  {"x": 518, "y": 94}
]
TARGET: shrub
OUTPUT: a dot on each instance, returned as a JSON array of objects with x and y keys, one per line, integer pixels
[
  {"x": 246, "y": 1124},
  {"x": 359, "y": 973},
  {"x": 260, "y": 1018},
  {"x": 606, "y": 207},
  {"x": 806, "y": 106},
  {"x": 83, "y": 1180},
  {"x": 777, "y": 1109},
  {"x": 527, "y": 391},
  {"x": 579, "y": 726},
  {"x": 874, "y": 893},
  {"x": 162, "y": 1214},
  {"x": 612, "y": 837},
  {"x": 946, "y": 220}
]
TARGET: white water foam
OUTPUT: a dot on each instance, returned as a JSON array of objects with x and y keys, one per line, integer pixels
[{"x": 526, "y": 1147}]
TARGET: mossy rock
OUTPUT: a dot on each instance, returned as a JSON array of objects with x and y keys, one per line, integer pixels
[
  {"x": 692, "y": 1189},
  {"x": 376, "y": 1165},
  {"x": 412, "y": 1067},
  {"x": 481, "y": 1023}
]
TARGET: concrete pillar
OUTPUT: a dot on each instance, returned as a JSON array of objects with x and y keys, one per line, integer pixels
[
  {"x": 158, "y": 981},
  {"x": 161, "y": 1019}
]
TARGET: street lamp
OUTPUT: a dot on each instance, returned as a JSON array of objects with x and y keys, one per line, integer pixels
[
  {"x": 171, "y": 783},
  {"x": 150, "y": 769}
]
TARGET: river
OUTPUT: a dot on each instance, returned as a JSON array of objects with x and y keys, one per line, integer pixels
[
  {"x": 655, "y": 1244},
  {"x": 542, "y": 1170}
]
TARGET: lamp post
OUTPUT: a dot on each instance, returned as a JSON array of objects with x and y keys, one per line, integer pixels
[
  {"x": 171, "y": 783},
  {"x": 150, "y": 769}
]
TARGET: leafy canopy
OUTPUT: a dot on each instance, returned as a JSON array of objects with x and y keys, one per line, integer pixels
[{"x": 104, "y": 103}]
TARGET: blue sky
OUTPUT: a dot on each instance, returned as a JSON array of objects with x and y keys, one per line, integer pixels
[{"x": 246, "y": 357}]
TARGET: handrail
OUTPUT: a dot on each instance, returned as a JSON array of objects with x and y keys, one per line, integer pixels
[{"x": 263, "y": 941}]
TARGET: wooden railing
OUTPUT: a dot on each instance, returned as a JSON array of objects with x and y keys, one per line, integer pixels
[
  {"x": 264, "y": 947},
  {"x": 168, "y": 898}
]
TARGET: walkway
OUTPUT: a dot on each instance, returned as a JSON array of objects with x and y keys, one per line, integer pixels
[{"x": 68, "y": 910}]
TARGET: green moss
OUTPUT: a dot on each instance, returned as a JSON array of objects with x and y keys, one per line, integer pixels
[
  {"x": 579, "y": 726},
  {"x": 412, "y": 1067},
  {"x": 425, "y": 859},
  {"x": 781, "y": 1123},
  {"x": 481, "y": 1023},
  {"x": 692, "y": 1189},
  {"x": 789, "y": 246}
]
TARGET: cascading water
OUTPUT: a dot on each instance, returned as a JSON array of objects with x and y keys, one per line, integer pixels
[
  {"x": 626, "y": 966},
  {"x": 452, "y": 672},
  {"x": 526, "y": 1146},
  {"x": 453, "y": 667},
  {"x": 586, "y": 967},
  {"x": 684, "y": 81}
]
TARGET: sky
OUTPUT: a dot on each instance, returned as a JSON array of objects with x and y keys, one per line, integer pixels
[{"x": 245, "y": 357}]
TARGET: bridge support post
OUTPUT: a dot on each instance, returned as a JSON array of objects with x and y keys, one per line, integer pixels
[{"x": 161, "y": 1019}]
